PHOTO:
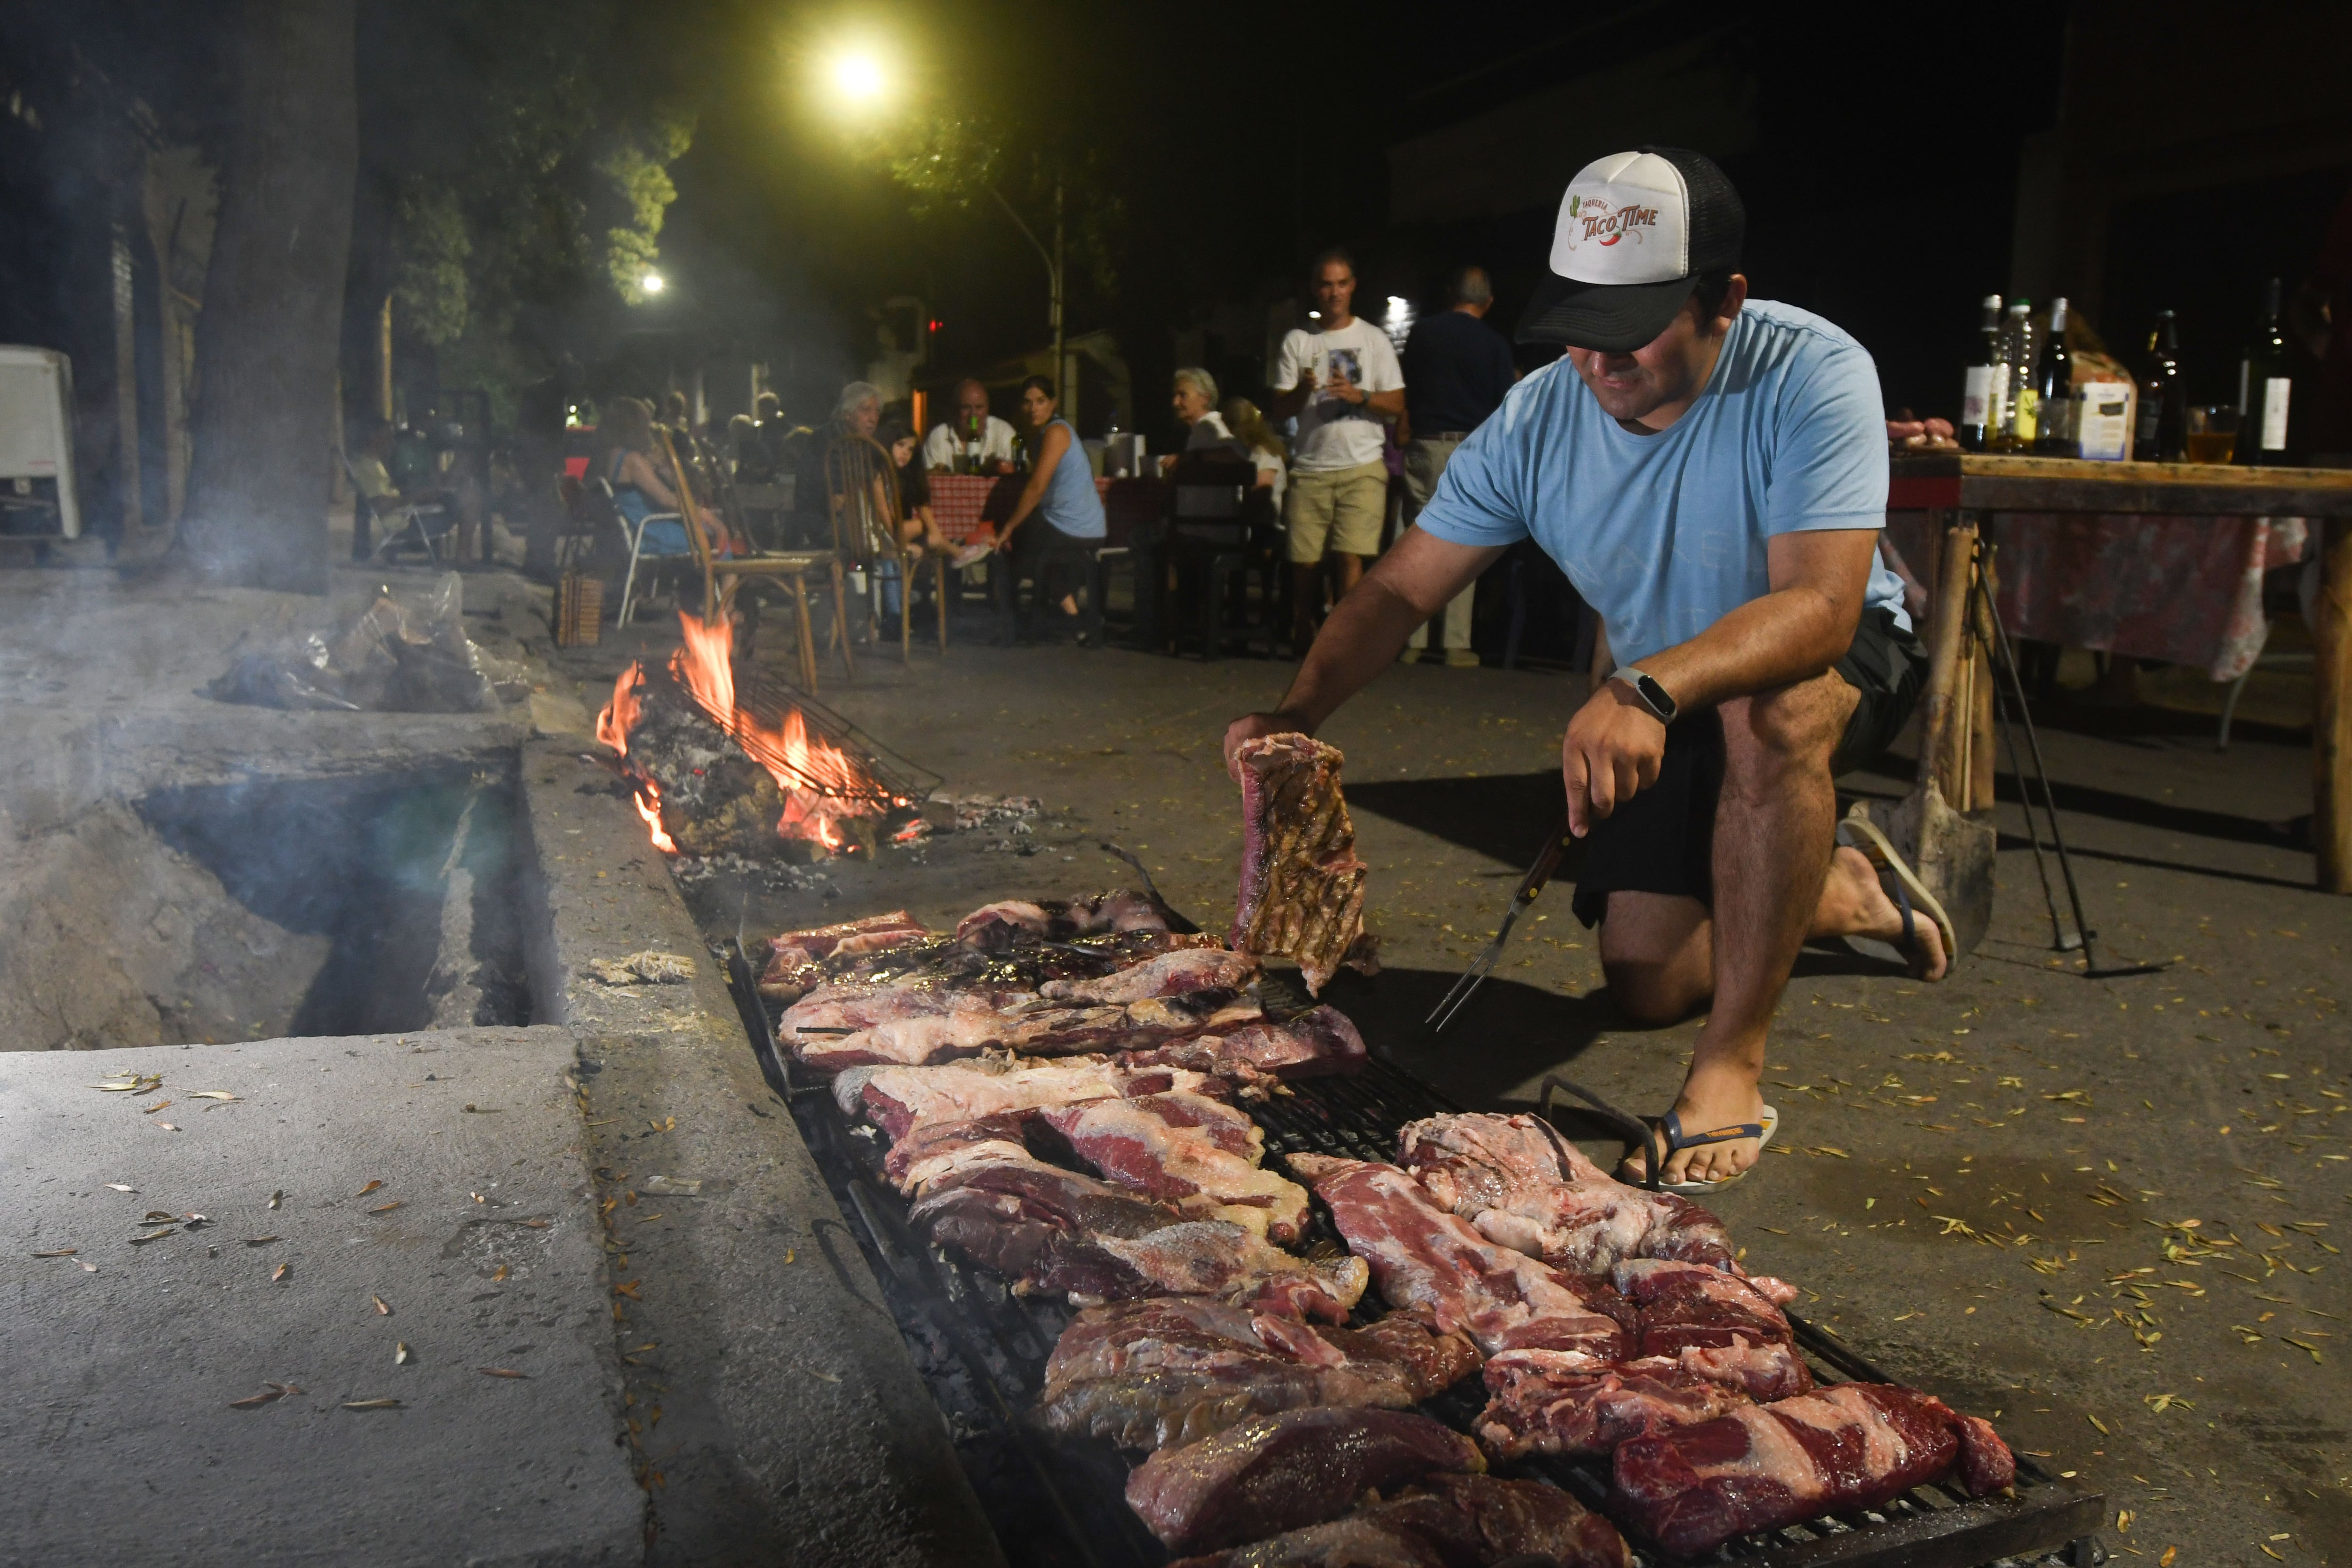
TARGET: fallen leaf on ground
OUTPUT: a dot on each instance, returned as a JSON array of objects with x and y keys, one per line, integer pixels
[
  {"x": 2170, "y": 1553},
  {"x": 88, "y": 1265},
  {"x": 366, "y": 1190},
  {"x": 629, "y": 1287},
  {"x": 211, "y": 1094},
  {"x": 280, "y": 1272},
  {"x": 255, "y": 1401},
  {"x": 380, "y": 1307},
  {"x": 501, "y": 1371},
  {"x": 155, "y": 1215},
  {"x": 61, "y": 1252},
  {"x": 259, "y": 1240},
  {"x": 385, "y": 1208},
  {"x": 166, "y": 1126},
  {"x": 151, "y": 1236},
  {"x": 2161, "y": 1402},
  {"x": 371, "y": 1405},
  {"x": 152, "y": 1110},
  {"x": 400, "y": 1356},
  {"x": 118, "y": 1187},
  {"x": 500, "y": 1275},
  {"x": 275, "y": 1198}
]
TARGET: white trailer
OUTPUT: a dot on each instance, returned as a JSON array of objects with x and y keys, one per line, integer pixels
[{"x": 38, "y": 495}]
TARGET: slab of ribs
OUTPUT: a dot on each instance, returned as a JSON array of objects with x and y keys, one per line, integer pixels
[
  {"x": 1302, "y": 889},
  {"x": 1065, "y": 1085}
]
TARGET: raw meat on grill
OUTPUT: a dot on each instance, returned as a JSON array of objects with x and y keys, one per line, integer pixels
[
  {"x": 1315, "y": 1043},
  {"x": 1272, "y": 1473},
  {"x": 1431, "y": 1262},
  {"x": 1760, "y": 1467},
  {"x": 1035, "y": 1031},
  {"x": 1021, "y": 962},
  {"x": 994, "y": 925},
  {"x": 1184, "y": 969},
  {"x": 1175, "y": 1369},
  {"x": 1547, "y": 1402},
  {"x": 898, "y": 1100},
  {"x": 944, "y": 1148},
  {"x": 1051, "y": 1229},
  {"x": 1445, "y": 1521},
  {"x": 1302, "y": 887},
  {"x": 1189, "y": 1149},
  {"x": 1524, "y": 1185},
  {"x": 795, "y": 959},
  {"x": 1721, "y": 1326}
]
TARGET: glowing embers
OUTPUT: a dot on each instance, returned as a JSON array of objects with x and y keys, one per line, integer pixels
[{"x": 715, "y": 774}]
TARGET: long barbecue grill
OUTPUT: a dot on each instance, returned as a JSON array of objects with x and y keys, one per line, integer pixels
[{"x": 1060, "y": 1503}]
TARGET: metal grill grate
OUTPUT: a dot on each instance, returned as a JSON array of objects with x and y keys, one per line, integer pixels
[
  {"x": 982, "y": 1352},
  {"x": 900, "y": 782}
]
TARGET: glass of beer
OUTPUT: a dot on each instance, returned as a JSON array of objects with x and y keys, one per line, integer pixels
[{"x": 2212, "y": 434}]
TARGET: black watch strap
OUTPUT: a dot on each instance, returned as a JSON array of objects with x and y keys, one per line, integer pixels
[{"x": 1653, "y": 695}]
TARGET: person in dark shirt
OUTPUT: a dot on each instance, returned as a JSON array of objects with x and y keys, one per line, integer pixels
[{"x": 1457, "y": 370}]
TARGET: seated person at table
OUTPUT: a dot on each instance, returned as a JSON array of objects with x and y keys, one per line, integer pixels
[
  {"x": 1060, "y": 495},
  {"x": 1263, "y": 445},
  {"x": 971, "y": 440},
  {"x": 918, "y": 530},
  {"x": 643, "y": 483},
  {"x": 1194, "y": 401}
]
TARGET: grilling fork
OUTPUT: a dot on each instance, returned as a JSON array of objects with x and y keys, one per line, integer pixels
[{"x": 1547, "y": 862}]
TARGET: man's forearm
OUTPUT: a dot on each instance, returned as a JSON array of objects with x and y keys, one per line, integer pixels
[
  {"x": 1287, "y": 405},
  {"x": 1785, "y": 637},
  {"x": 1362, "y": 638}
]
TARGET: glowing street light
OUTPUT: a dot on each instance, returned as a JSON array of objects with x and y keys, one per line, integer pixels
[
  {"x": 859, "y": 78},
  {"x": 653, "y": 283}
]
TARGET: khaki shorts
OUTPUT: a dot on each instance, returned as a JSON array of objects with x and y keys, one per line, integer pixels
[{"x": 1342, "y": 510}]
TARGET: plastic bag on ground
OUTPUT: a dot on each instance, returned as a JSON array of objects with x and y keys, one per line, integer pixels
[{"x": 401, "y": 652}]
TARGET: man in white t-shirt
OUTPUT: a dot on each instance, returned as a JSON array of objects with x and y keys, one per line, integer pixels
[
  {"x": 973, "y": 440},
  {"x": 1338, "y": 382}
]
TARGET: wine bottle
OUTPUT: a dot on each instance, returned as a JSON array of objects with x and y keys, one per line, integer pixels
[
  {"x": 1984, "y": 385},
  {"x": 2054, "y": 430},
  {"x": 2017, "y": 340},
  {"x": 2265, "y": 388},
  {"x": 2163, "y": 433}
]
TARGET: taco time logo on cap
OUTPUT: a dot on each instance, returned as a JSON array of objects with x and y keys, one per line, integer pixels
[{"x": 1592, "y": 220}]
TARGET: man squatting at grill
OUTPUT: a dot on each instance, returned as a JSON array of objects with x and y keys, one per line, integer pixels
[{"x": 1710, "y": 471}]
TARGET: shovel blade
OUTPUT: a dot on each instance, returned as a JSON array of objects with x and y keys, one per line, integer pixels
[{"x": 1954, "y": 856}]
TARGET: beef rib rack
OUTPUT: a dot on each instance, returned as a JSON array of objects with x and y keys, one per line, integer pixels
[{"x": 1302, "y": 891}]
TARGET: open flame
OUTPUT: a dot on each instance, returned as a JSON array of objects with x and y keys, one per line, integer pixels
[{"x": 820, "y": 782}]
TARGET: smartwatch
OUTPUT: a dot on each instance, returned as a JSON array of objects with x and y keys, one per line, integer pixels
[{"x": 1652, "y": 695}]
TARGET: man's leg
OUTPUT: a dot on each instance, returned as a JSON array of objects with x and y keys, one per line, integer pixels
[
  {"x": 1425, "y": 463},
  {"x": 1307, "y": 520},
  {"x": 1774, "y": 824},
  {"x": 1359, "y": 505}
]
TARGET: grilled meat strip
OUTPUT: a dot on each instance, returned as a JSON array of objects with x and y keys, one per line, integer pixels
[
  {"x": 1058, "y": 920},
  {"x": 1021, "y": 962},
  {"x": 796, "y": 959},
  {"x": 1175, "y": 1369},
  {"x": 900, "y": 1099},
  {"x": 1317, "y": 1042},
  {"x": 1521, "y": 1183},
  {"x": 1189, "y": 1149},
  {"x": 1046, "y": 1228},
  {"x": 1431, "y": 1262},
  {"x": 1716, "y": 1325},
  {"x": 1036, "y": 1031},
  {"x": 1553, "y": 1402},
  {"x": 1445, "y": 1521},
  {"x": 1169, "y": 974},
  {"x": 1760, "y": 1467},
  {"x": 1273, "y": 1473},
  {"x": 1302, "y": 887}
]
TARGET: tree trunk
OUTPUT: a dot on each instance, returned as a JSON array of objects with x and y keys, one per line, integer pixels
[{"x": 267, "y": 342}]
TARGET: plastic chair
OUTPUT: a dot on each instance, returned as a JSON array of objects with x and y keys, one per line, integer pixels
[
  {"x": 601, "y": 487},
  {"x": 413, "y": 531}
]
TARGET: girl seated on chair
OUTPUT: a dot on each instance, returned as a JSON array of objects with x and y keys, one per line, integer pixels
[
  {"x": 918, "y": 530},
  {"x": 643, "y": 483}
]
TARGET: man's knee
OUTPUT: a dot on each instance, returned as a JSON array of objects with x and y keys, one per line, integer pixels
[
  {"x": 1650, "y": 995},
  {"x": 1789, "y": 726}
]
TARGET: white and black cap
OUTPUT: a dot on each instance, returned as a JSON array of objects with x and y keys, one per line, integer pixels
[{"x": 1636, "y": 232}]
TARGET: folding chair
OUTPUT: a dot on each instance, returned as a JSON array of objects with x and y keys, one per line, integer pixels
[
  {"x": 867, "y": 511},
  {"x": 411, "y": 531}
]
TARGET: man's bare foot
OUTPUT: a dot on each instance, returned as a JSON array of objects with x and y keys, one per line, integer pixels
[
  {"x": 1854, "y": 902},
  {"x": 1710, "y": 1099}
]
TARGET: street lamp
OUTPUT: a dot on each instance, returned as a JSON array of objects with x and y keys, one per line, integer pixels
[
  {"x": 858, "y": 76},
  {"x": 653, "y": 283}
]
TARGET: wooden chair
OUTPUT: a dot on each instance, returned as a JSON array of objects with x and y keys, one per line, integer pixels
[
  {"x": 723, "y": 578},
  {"x": 862, "y": 484}
]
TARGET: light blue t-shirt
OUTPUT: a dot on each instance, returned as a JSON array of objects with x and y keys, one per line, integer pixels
[{"x": 1665, "y": 534}]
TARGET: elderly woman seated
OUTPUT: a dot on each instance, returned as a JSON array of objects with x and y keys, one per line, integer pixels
[
  {"x": 643, "y": 483},
  {"x": 1194, "y": 401}
]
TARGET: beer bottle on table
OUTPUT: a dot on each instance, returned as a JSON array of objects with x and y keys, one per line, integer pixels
[
  {"x": 2054, "y": 430},
  {"x": 2265, "y": 388},
  {"x": 1984, "y": 386},
  {"x": 2015, "y": 432},
  {"x": 2163, "y": 433}
]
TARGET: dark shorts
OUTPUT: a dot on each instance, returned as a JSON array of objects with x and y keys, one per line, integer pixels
[{"x": 1662, "y": 840}]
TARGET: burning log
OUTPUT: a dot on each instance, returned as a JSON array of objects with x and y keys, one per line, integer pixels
[{"x": 709, "y": 797}]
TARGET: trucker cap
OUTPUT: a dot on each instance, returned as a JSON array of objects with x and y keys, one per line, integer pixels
[{"x": 1636, "y": 231}]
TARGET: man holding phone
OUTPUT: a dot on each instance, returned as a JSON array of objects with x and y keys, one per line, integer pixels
[{"x": 1711, "y": 473}]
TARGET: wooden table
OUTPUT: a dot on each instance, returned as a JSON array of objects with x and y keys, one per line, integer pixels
[{"x": 1963, "y": 486}]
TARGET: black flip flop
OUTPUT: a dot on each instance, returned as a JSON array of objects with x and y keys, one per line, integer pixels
[{"x": 1667, "y": 1129}]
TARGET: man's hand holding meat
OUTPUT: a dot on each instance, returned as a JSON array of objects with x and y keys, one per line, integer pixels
[{"x": 1711, "y": 473}]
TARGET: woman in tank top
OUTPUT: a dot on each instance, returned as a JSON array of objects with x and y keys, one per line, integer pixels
[{"x": 1060, "y": 494}]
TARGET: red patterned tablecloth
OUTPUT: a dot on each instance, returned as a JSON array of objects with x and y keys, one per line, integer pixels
[
  {"x": 2187, "y": 589},
  {"x": 965, "y": 505}
]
